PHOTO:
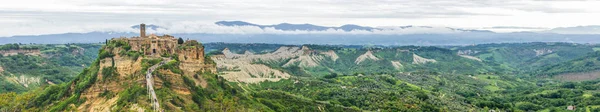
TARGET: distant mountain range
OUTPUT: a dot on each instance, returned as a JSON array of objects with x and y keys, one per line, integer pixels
[
  {"x": 311, "y": 27},
  {"x": 292, "y": 27},
  {"x": 314, "y": 34}
]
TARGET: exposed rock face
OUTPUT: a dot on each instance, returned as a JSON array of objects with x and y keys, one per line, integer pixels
[
  {"x": 402, "y": 50},
  {"x": 248, "y": 53},
  {"x": 281, "y": 53},
  {"x": 191, "y": 56},
  {"x": 33, "y": 52},
  {"x": 78, "y": 51},
  {"x": 397, "y": 64},
  {"x": 305, "y": 61},
  {"x": 240, "y": 67},
  {"x": 470, "y": 57},
  {"x": 98, "y": 104},
  {"x": 254, "y": 73},
  {"x": 124, "y": 65},
  {"x": 539, "y": 52},
  {"x": 467, "y": 52},
  {"x": 126, "y": 68},
  {"x": 242, "y": 70},
  {"x": 331, "y": 54},
  {"x": 176, "y": 81},
  {"x": 420, "y": 60},
  {"x": 367, "y": 56},
  {"x": 25, "y": 81},
  {"x": 191, "y": 51}
]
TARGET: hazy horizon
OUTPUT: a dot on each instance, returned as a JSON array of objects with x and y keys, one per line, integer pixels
[{"x": 36, "y": 17}]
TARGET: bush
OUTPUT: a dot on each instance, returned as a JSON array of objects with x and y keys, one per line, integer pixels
[
  {"x": 130, "y": 95},
  {"x": 330, "y": 76},
  {"x": 134, "y": 54},
  {"x": 105, "y": 54},
  {"x": 422, "y": 95},
  {"x": 172, "y": 65},
  {"x": 108, "y": 72}
]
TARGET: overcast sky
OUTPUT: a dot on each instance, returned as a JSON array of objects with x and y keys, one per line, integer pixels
[{"x": 32, "y": 17}]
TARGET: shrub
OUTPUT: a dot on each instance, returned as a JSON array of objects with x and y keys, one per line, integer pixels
[
  {"x": 108, "y": 72},
  {"x": 104, "y": 54},
  {"x": 330, "y": 76}
]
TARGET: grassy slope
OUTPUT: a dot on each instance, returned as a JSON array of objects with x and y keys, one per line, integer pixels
[
  {"x": 587, "y": 63},
  {"x": 57, "y": 64}
]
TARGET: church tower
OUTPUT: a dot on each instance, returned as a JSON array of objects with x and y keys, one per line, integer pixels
[{"x": 142, "y": 30}]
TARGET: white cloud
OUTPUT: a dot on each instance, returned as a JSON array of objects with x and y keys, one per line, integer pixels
[
  {"x": 24, "y": 17},
  {"x": 199, "y": 27}
]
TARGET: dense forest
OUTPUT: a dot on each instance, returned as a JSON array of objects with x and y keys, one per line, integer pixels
[{"x": 503, "y": 77}]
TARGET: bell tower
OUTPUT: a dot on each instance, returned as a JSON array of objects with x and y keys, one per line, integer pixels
[{"x": 142, "y": 30}]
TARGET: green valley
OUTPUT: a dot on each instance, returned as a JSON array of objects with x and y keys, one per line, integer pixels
[{"x": 273, "y": 77}]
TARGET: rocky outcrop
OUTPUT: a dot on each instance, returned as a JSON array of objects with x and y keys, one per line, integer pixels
[
  {"x": 367, "y": 56},
  {"x": 243, "y": 70},
  {"x": 241, "y": 67},
  {"x": 25, "y": 81},
  {"x": 248, "y": 53},
  {"x": 467, "y": 52},
  {"x": 305, "y": 61},
  {"x": 420, "y": 60},
  {"x": 331, "y": 54},
  {"x": 254, "y": 73},
  {"x": 470, "y": 57},
  {"x": 397, "y": 64},
  {"x": 124, "y": 65},
  {"x": 281, "y": 53},
  {"x": 78, "y": 51},
  {"x": 539, "y": 52}
]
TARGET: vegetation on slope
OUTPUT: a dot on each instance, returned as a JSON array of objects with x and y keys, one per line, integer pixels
[
  {"x": 56, "y": 64},
  {"x": 453, "y": 83},
  {"x": 587, "y": 63}
]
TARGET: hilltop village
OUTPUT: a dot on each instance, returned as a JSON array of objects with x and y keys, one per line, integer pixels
[
  {"x": 157, "y": 63},
  {"x": 190, "y": 52}
]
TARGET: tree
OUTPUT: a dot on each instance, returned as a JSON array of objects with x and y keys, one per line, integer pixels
[
  {"x": 332, "y": 75},
  {"x": 180, "y": 41},
  {"x": 422, "y": 95}
]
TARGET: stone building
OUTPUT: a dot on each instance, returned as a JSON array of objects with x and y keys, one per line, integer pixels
[
  {"x": 191, "y": 51},
  {"x": 152, "y": 45}
]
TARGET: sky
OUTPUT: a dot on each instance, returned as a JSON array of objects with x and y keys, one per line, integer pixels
[{"x": 35, "y": 17}]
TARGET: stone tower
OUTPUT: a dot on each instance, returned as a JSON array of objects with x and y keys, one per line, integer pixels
[{"x": 142, "y": 30}]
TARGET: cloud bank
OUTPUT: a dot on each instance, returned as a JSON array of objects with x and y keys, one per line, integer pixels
[
  {"x": 196, "y": 27},
  {"x": 35, "y": 17}
]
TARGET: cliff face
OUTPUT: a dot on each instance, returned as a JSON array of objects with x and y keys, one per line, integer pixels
[
  {"x": 118, "y": 80},
  {"x": 367, "y": 56}
]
